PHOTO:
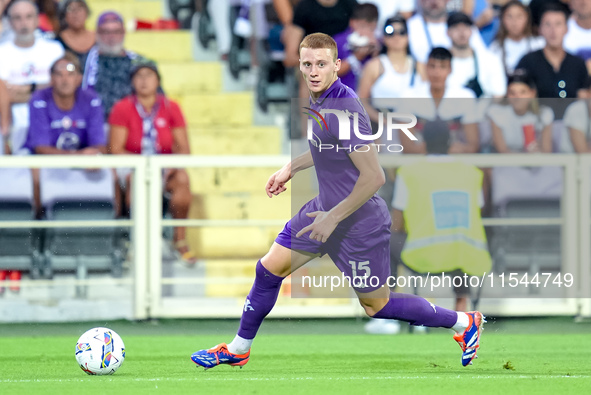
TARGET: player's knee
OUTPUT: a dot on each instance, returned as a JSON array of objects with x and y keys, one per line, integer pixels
[{"x": 372, "y": 306}]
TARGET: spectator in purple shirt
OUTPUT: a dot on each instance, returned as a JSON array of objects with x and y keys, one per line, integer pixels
[
  {"x": 357, "y": 44},
  {"x": 65, "y": 119}
]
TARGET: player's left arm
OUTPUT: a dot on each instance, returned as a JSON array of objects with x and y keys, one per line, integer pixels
[{"x": 371, "y": 178}]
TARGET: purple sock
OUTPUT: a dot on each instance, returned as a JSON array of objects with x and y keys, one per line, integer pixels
[
  {"x": 417, "y": 311},
  {"x": 259, "y": 302}
]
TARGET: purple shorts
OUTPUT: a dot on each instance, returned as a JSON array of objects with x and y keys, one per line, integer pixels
[{"x": 359, "y": 248}]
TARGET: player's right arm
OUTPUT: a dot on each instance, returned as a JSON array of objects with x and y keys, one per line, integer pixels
[{"x": 277, "y": 181}]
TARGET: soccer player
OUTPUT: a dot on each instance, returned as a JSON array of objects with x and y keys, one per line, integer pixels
[{"x": 347, "y": 221}]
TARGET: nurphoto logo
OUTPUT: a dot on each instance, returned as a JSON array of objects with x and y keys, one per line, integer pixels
[{"x": 393, "y": 122}]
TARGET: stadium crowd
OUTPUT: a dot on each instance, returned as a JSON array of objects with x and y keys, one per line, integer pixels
[{"x": 505, "y": 76}]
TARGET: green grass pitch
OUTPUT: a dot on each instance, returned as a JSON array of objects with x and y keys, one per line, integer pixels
[{"x": 535, "y": 356}]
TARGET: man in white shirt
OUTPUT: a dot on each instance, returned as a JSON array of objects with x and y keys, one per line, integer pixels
[
  {"x": 25, "y": 65},
  {"x": 438, "y": 100},
  {"x": 428, "y": 29},
  {"x": 480, "y": 70},
  {"x": 578, "y": 38}
]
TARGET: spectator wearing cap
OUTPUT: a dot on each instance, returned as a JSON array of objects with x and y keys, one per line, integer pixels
[
  {"x": 556, "y": 73},
  {"x": 73, "y": 34},
  {"x": 428, "y": 29},
  {"x": 520, "y": 123},
  {"x": 109, "y": 64},
  {"x": 25, "y": 65},
  {"x": 357, "y": 44},
  {"x": 148, "y": 123},
  {"x": 480, "y": 70}
]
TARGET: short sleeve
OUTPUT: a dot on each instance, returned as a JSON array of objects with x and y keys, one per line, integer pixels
[
  {"x": 118, "y": 116},
  {"x": 176, "y": 115},
  {"x": 40, "y": 123},
  {"x": 470, "y": 113},
  {"x": 400, "y": 199},
  {"x": 575, "y": 116},
  {"x": 546, "y": 116}
]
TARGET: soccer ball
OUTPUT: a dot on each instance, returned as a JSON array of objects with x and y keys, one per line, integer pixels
[{"x": 100, "y": 351}]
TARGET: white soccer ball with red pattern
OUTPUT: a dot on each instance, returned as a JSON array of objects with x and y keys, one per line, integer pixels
[{"x": 100, "y": 351}]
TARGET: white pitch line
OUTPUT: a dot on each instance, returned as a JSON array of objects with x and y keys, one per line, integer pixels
[{"x": 222, "y": 378}]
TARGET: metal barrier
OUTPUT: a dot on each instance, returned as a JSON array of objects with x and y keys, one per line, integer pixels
[{"x": 146, "y": 224}]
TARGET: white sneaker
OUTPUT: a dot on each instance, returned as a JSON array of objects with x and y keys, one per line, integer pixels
[{"x": 378, "y": 326}]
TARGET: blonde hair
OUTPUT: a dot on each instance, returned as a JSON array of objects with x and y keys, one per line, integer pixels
[{"x": 320, "y": 41}]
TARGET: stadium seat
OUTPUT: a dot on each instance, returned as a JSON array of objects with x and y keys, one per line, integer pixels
[
  {"x": 275, "y": 83},
  {"x": 206, "y": 30},
  {"x": 182, "y": 11},
  {"x": 229, "y": 269},
  {"x": 19, "y": 248},
  {"x": 80, "y": 195},
  {"x": 130, "y": 10},
  {"x": 222, "y": 180},
  {"x": 527, "y": 193},
  {"x": 247, "y": 242},
  {"x": 239, "y": 57},
  {"x": 227, "y": 109},
  {"x": 256, "y": 140},
  {"x": 253, "y": 205},
  {"x": 183, "y": 78},
  {"x": 161, "y": 46}
]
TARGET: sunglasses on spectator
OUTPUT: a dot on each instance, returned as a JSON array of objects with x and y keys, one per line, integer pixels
[{"x": 390, "y": 31}]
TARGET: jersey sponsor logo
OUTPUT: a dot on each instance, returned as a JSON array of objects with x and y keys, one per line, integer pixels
[
  {"x": 68, "y": 123},
  {"x": 95, "y": 102},
  {"x": 40, "y": 104},
  {"x": 68, "y": 141}
]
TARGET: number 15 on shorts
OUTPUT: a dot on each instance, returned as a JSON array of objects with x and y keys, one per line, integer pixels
[{"x": 357, "y": 268}]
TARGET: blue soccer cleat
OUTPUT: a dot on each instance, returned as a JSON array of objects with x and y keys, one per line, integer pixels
[
  {"x": 469, "y": 340},
  {"x": 219, "y": 355}
]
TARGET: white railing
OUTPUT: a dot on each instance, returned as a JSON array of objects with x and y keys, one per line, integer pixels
[{"x": 146, "y": 224}]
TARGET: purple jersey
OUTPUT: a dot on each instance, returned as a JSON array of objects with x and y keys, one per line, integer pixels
[
  {"x": 74, "y": 129},
  {"x": 336, "y": 172},
  {"x": 364, "y": 236}
]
